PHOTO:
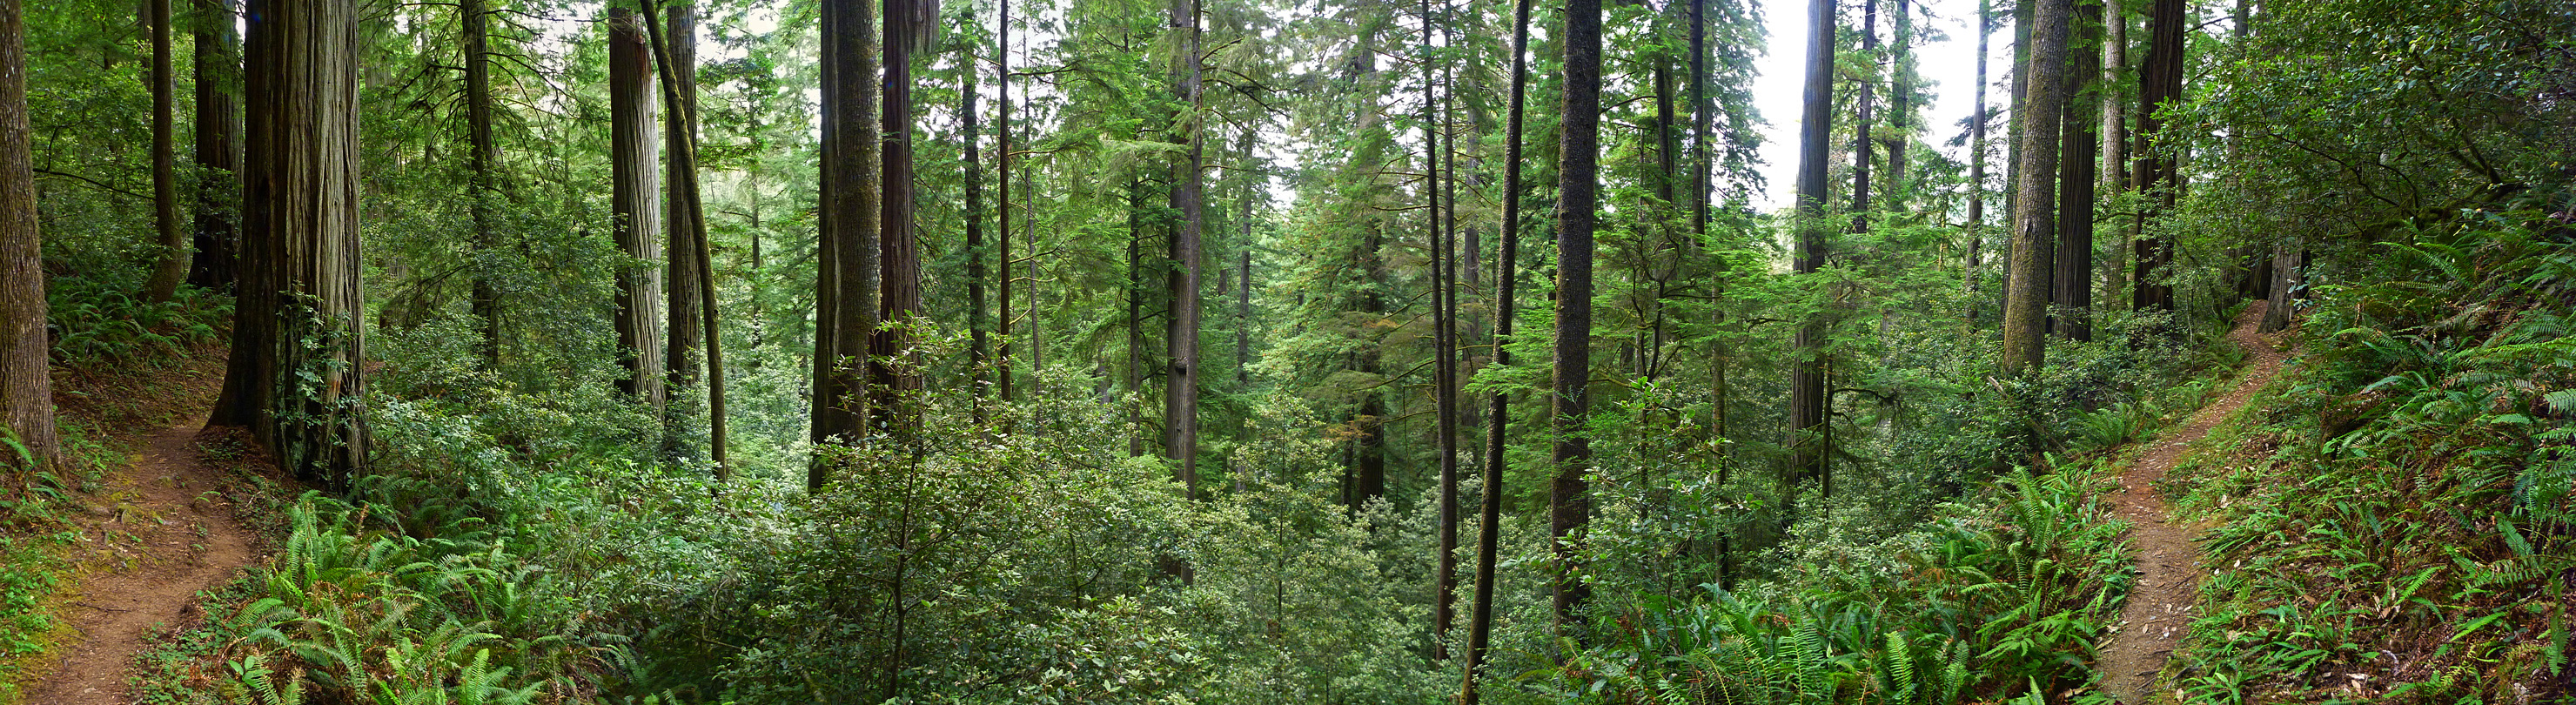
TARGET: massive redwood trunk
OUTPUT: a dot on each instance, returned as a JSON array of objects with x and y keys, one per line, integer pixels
[
  {"x": 1181, "y": 337},
  {"x": 218, "y": 128},
  {"x": 295, "y": 375},
  {"x": 636, "y": 204},
  {"x": 846, "y": 293},
  {"x": 1807, "y": 372},
  {"x": 2034, "y": 227},
  {"x": 1569, "y": 501},
  {"x": 2157, "y": 173}
]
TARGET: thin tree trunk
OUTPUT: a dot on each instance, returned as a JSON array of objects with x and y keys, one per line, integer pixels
[
  {"x": 2034, "y": 240},
  {"x": 1901, "y": 111},
  {"x": 26, "y": 379},
  {"x": 1807, "y": 374},
  {"x": 2072, "y": 291},
  {"x": 978, "y": 318},
  {"x": 218, "y": 127},
  {"x": 1445, "y": 572},
  {"x": 1569, "y": 503},
  {"x": 294, "y": 376},
  {"x": 1862, "y": 152},
  {"x": 1181, "y": 339},
  {"x": 636, "y": 205},
  {"x": 1002, "y": 180},
  {"x": 172, "y": 268},
  {"x": 1977, "y": 158},
  {"x": 687, "y": 329},
  {"x": 1489, "y": 510}
]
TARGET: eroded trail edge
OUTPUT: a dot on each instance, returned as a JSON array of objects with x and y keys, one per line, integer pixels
[
  {"x": 2159, "y": 607},
  {"x": 164, "y": 532}
]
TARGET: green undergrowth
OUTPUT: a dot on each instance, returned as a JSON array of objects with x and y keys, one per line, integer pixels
[
  {"x": 2002, "y": 596},
  {"x": 2395, "y": 523}
]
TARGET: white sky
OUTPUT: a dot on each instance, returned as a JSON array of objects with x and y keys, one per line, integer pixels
[{"x": 1945, "y": 56}]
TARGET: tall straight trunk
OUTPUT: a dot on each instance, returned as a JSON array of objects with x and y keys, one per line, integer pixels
[
  {"x": 1002, "y": 180},
  {"x": 2115, "y": 130},
  {"x": 2013, "y": 124},
  {"x": 1181, "y": 338},
  {"x": 1977, "y": 159},
  {"x": 689, "y": 218},
  {"x": 686, "y": 278},
  {"x": 894, "y": 375},
  {"x": 26, "y": 379},
  {"x": 1807, "y": 372},
  {"x": 1133, "y": 376},
  {"x": 1901, "y": 110},
  {"x": 1703, "y": 162},
  {"x": 2157, "y": 173},
  {"x": 294, "y": 377},
  {"x": 175, "y": 255},
  {"x": 847, "y": 248},
  {"x": 1489, "y": 503},
  {"x": 635, "y": 202},
  {"x": 1444, "y": 368},
  {"x": 218, "y": 125},
  {"x": 1861, "y": 141},
  {"x": 482, "y": 158},
  {"x": 1569, "y": 503},
  {"x": 2072, "y": 291},
  {"x": 2034, "y": 237},
  {"x": 978, "y": 318}
]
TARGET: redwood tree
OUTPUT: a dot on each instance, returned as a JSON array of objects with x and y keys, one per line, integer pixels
[
  {"x": 2034, "y": 228},
  {"x": 295, "y": 377},
  {"x": 1569, "y": 503},
  {"x": 635, "y": 202},
  {"x": 26, "y": 384}
]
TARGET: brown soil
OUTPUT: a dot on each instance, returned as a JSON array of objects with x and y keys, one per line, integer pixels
[
  {"x": 160, "y": 532},
  {"x": 2169, "y": 569}
]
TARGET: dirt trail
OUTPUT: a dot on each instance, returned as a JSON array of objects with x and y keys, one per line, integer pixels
[
  {"x": 163, "y": 532},
  {"x": 2159, "y": 608}
]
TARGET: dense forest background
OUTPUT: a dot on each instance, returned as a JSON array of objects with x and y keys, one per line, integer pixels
[{"x": 1340, "y": 351}]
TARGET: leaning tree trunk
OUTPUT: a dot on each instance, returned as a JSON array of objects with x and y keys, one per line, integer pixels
[
  {"x": 1569, "y": 503},
  {"x": 2034, "y": 237},
  {"x": 688, "y": 217},
  {"x": 26, "y": 381},
  {"x": 636, "y": 203},
  {"x": 295, "y": 376},
  {"x": 172, "y": 268},
  {"x": 218, "y": 124}
]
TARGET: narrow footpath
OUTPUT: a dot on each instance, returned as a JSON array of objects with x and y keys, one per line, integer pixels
[
  {"x": 160, "y": 532},
  {"x": 2159, "y": 607}
]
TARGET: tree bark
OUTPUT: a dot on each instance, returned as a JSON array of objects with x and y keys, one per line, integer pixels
[
  {"x": 482, "y": 158},
  {"x": 1900, "y": 118},
  {"x": 295, "y": 376},
  {"x": 1807, "y": 412},
  {"x": 636, "y": 204},
  {"x": 689, "y": 218},
  {"x": 1861, "y": 139},
  {"x": 678, "y": 57},
  {"x": 848, "y": 243},
  {"x": 26, "y": 380},
  {"x": 218, "y": 127},
  {"x": 2034, "y": 239},
  {"x": 2157, "y": 173},
  {"x": 2072, "y": 291},
  {"x": 172, "y": 268},
  {"x": 2115, "y": 135},
  {"x": 1002, "y": 180},
  {"x": 1489, "y": 503},
  {"x": 1444, "y": 369},
  {"x": 1569, "y": 501},
  {"x": 1977, "y": 160},
  {"x": 894, "y": 373},
  {"x": 1181, "y": 338},
  {"x": 978, "y": 318}
]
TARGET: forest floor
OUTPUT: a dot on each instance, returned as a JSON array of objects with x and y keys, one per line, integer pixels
[
  {"x": 2169, "y": 568},
  {"x": 159, "y": 531}
]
